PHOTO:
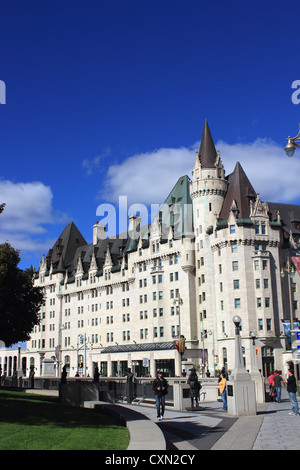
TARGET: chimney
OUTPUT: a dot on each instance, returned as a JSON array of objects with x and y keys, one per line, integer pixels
[
  {"x": 134, "y": 226},
  {"x": 99, "y": 232}
]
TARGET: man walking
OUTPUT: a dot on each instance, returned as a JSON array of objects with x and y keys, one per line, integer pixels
[
  {"x": 160, "y": 387},
  {"x": 277, "y": 381},
  {"x": 291, "y": 387}
]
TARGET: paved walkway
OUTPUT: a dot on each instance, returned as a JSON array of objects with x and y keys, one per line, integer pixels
[{"x": 210, "y": 428}]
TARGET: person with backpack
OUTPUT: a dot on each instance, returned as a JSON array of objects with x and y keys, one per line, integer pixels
[{"x": 194, "y": 387}]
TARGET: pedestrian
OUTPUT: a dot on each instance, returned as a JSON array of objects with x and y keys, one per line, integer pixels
[
  {"x": 96, "y": 374},
  {"x": 277, "y": 381},
  {"x": 291, "y": 387},
  {"x": 160, "y": 387},
  {"x": 129, "y": 386},
  {"x": 222, "y": 389},
  {"x": 224, "y": 373},
  {"x": 194, "y": 387},
  {"x": 272, "y": 391},
  {"x": 64, "y": 374}
]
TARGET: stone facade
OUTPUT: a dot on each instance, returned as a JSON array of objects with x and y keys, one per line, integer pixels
[{"x": 122, "y": 302}]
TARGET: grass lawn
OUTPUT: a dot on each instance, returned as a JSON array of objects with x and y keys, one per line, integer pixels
[{"x": 35, "y": 422}]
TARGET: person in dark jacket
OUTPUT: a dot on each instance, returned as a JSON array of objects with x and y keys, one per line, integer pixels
[
  {"x": 160, "y": 387},
  {"x": 277, "y": 381},
  {"x": 291, "y": 387},
  {"x": 194, "y": 387}
]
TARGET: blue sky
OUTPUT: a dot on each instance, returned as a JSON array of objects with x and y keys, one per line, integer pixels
[{"x": 108, "y": 97}]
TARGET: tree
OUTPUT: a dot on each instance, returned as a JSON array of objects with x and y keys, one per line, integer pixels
[{"x": 20, "y": 300}]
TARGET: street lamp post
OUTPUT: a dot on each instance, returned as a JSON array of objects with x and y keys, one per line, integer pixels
[
  {"x": 19, "y": 365},
  {"x": 211, "y": 332},
  {"x": 178, "y": 302},
  {"x": 60, "y": 328},
  {"x": 288, "y": 269},
  {"x": 293, "y": 142},
  {"x": 239, "y": 362},
  {"x": 81, "y": 339},
  {"x": 256, "y": 375}
]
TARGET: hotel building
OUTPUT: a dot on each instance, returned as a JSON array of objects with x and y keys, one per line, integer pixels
[{"x": 214, "y": 250}]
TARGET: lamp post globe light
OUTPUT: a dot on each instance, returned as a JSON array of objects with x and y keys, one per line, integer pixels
[{"x": 293, "y": 142}]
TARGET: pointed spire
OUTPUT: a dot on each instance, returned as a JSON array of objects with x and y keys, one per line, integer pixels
[
  {"x": 108, "y": 261},
  {"x": 240, "y": 192},
  {"x": 79, "y": 269},
  {"x": 207, "y": 152},
  {"x": 93, "y": 263},
  {"x": 63, "y": 251}
]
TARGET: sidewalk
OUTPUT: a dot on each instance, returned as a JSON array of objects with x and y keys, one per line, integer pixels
[{"x": 210, "y": 428}]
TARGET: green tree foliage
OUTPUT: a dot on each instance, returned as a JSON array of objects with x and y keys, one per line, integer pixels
[{"x": 20, "y": 300}]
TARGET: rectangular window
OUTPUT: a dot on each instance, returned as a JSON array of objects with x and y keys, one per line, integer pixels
[
  {"x": 236, "y": 284},
  {"x": 237, "y": 303},
  {"x": 265, "y": 265},
  {"x": 235, "y": 265},
  {"x": 232, "y": 228}
]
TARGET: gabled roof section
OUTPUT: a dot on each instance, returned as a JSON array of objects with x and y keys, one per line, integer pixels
[
  {"x": 207, "y": 151},
  {"x": 288, "y": 215},
  {"x": 177, "y": 210},
  {"x": 239, "y": 193},
  {"x": 64, "y": 249}
]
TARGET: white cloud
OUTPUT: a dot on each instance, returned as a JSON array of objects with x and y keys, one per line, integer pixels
[
  {"x": 28, "y": 206},
  {"x": 147, "y": 178},
  {"x": 271, "y": 172},
  {"x": 96, "y": 163}
]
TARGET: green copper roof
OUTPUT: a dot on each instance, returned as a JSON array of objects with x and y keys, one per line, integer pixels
[{"x": 177, "y": 210}]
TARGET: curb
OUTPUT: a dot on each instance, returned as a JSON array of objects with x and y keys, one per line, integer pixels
[{"x": 139, "y": 426}]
